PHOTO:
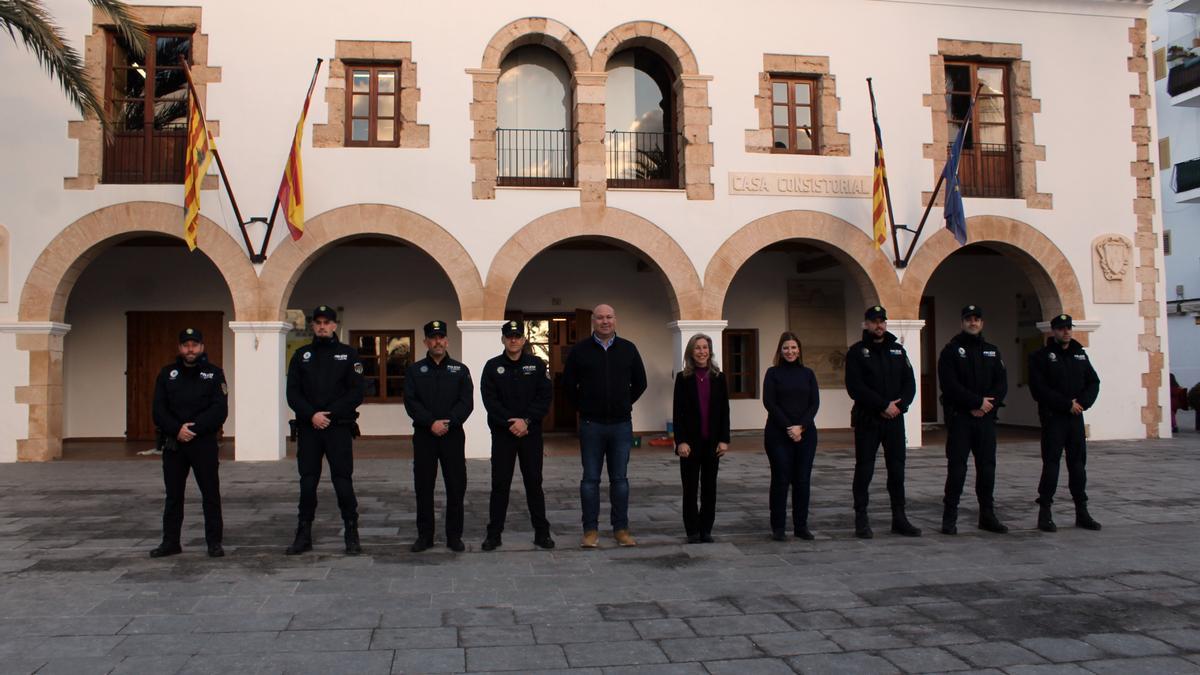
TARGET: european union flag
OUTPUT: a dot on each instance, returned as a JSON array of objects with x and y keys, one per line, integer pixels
[{"x": 956, "y": 218}]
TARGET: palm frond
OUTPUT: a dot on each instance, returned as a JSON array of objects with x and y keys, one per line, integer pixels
[{"x": 129, "y": 29}]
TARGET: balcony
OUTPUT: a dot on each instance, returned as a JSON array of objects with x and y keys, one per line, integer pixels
[
  {"x": 986, "y": 170},
  {"x": 1184, "y": 6},
  {"x": 639, "y": 159},
  {"x": 143, "y": 158},
  {"x": 1185, "y": 182},
  {"x": 1183, "y": 78},
  {"x": 535, "y": 157}
]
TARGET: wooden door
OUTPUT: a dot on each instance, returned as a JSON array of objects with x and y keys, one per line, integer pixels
[
  {"x": 152, "y": 341},
  {"x": 928, "y": 361}
]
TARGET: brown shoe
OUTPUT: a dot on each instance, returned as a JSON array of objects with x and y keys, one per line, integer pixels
[
  {"x": 624, "y": 538},
  {"x": 591, "y": 539}
]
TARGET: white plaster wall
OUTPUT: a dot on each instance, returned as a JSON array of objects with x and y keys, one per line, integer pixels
[
  {"x": 584, "y": 279},
  {"x": 758, "y": 299},
  {"x": 393, "y": 288},
  {"x": 125, "y": 279},
  {"x": 1084, "y": 122},
  {"x": 14, "y": 419}
]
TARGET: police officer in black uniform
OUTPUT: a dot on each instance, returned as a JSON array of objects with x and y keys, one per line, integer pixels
[
  {"x": 974, "y": 383},
  {"x": 880, "y": 379},
  {"x": 438, "y": 395},
  {"x": 516, "y": 394},
  {"x": 1064, "y": 384},
  {"x": 324, "y": 388},
  {"x": 190, "y": 405}
]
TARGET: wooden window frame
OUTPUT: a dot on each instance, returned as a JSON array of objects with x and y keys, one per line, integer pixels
[
  {"x": 1006, "y": 69},
  {"x": 373, "y": 114},
  {"x": 113, "y": 106},
  {"x": 814, "y": 106},
  {"x": 381, "y": 359},
  {"x": 751, "y": 338}
]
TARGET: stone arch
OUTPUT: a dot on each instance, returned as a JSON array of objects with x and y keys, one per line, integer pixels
[
  {"x": 1048, "y": 270},
  {"x": 48, "y": 286},
  {"x": 630, "y": 231},
  {"x": 869, "y": 267},
  {"x": 289, "y": 260},
  {"x": 654, "y": 36},
  {"x": 537, "y": 30}
]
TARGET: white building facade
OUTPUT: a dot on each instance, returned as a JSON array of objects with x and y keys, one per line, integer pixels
[{"x": 700, "y": 169}]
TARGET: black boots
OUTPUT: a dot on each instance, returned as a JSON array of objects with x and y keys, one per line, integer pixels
[
  {"x": 949, "y": 520},
  {"x": 543, "y": 540},
  {"x": 1045, "y": 522},
  {"x": 901, "y": 526},
  {"x": 862, "y": 524},
  {"x": 988, "y": 521},
  {"x": 492, "y": 542},
  {"x": 353, "y": 547},
  {"x": 421, "y": 544},
  {"x": 216, "y": 550},
  {"x": 303, "y": 541},
  {"x": 165, "y": 549},
  {"x": 1084, "y": 519}
]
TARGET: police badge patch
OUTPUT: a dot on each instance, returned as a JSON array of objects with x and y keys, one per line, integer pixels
[
  {"x": 866, "y": 353},
  {"x": 358, "y": 368},
  {"x": 500, "y": 370},
  {"x": 1053, "y": 357},
  {"x": 173, "y": 374},
  {"x": 962, "y": 352},
  {"x": 306, "y": 355},
  {"x": 424, "y": 369},
  {"x": 225, "y": 389}
]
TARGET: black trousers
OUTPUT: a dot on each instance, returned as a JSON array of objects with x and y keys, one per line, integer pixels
[
  {"x": 791, "y": 471},
  {"x": 200, "y": 457},
  {"x": 699, "y": 474},
  {"x": 868, "y": 436},
  {"x": 428, "y": 452},
  {"x": 335, "y": 444},
  {"x": 967, "y": 434},
  {"x": 1058, "y": 433},
  {"x": 507, "y": 451}
]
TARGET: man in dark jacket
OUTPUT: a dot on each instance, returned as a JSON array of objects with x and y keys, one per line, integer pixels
[
  {"x": 190, "y": 405},
  {"x": 517, "y": 394},
  {"x": 439, "y": 397},
  {"x": 880, "y": 379},
  {"x": 974, "y": 383},
  {"x": 324, "y": 388},
  {"x": 603, "y": 377},
  {"x": 1064, "y": 384}
]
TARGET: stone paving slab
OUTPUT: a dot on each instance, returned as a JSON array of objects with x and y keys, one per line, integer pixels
[{"x": 79, "y": 595}]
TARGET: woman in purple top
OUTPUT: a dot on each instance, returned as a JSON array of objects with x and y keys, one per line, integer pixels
[
  {"x": 701, "y": 423},
  {"x": 791, "y": 398}
]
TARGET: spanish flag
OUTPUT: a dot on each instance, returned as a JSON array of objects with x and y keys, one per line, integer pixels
[
  {"x": 291, "y": 188},
  {"x": 878, "y": 197},
  {"x": 200, "y": 149}
]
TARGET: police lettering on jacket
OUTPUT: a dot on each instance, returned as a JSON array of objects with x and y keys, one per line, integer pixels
[
  {"x": 196, "y": 394},
  {"x": 1058, "y": 376},
  {"x": 970, "y": 369},
  {"x": 878, "y": 373},
  {"x": 325, "y": 376},
  {"x": 515, "y": 389},
  {"x": 438, "y": 391}
]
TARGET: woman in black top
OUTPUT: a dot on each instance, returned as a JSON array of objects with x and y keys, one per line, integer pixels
[
  {"x": 701, "y": 423},
  {"x": 791, "y": 398}
]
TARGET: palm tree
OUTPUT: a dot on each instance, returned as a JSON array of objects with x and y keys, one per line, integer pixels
[{"x": 31, "y": 20}]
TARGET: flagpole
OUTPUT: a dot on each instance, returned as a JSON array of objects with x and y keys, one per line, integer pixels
[
  {"x": 938, "y": 186},
  {"x": 237, "y": 213},
  {"x": 262, "y": 253},
  {"x": 887, "y": 190}
]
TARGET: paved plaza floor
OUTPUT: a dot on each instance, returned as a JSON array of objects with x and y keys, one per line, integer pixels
[{"x": 78, "y": 593}]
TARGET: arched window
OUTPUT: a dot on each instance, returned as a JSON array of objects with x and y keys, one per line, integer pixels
[
  {"x": 534, "y": 139},
  {"x": 640, "y": 121}
]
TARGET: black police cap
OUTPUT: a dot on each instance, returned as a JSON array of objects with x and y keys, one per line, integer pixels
[
  {"x": 874, "y": 313},
  {"x": 435, "y": 327},
  {"x": 972, "y": 310},
  {"x": 326, "y": 312},
  {"x": 191, "y": 335},
  {"x": 1062, "y": 321},
  {"x": 512, "y": 329}
]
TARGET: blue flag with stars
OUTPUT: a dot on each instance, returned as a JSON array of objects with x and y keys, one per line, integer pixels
[{"x": 956, "y": 218}]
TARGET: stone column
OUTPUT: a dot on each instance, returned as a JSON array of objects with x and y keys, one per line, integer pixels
[
  {"x": 591, "y": 172},
  {"x": 480, "y": 342},
  {"x": 908, "y": 332},
  {"x": 31, "y": 427},
  {"x": 684, "y": 330},
  {"x": 259, "y": 402}
]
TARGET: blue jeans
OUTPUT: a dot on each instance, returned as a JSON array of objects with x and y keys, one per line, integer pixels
[{"x": 601, "y": 444}]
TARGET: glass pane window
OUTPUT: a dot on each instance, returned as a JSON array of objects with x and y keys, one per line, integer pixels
[
  {"x": 384, "y": 356},
  {"x": 741, "y": 362},
  {"x": 986, "y": 167},
  {"x": 372, "y": 117},
  {"x": 793, "y": 114}
]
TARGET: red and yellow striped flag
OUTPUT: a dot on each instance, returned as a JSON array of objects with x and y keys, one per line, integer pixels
[
  {"x": 200, "y": 149},
  {"x": 878, "y": 198},
  {"x": 291, "y": 188}
]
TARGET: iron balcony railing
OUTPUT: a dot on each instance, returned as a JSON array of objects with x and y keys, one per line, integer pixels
[
  {"x": 640, "y": 159},
  {"x": 535, "y": 157},
  {"x": 986, "y": 170}
]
